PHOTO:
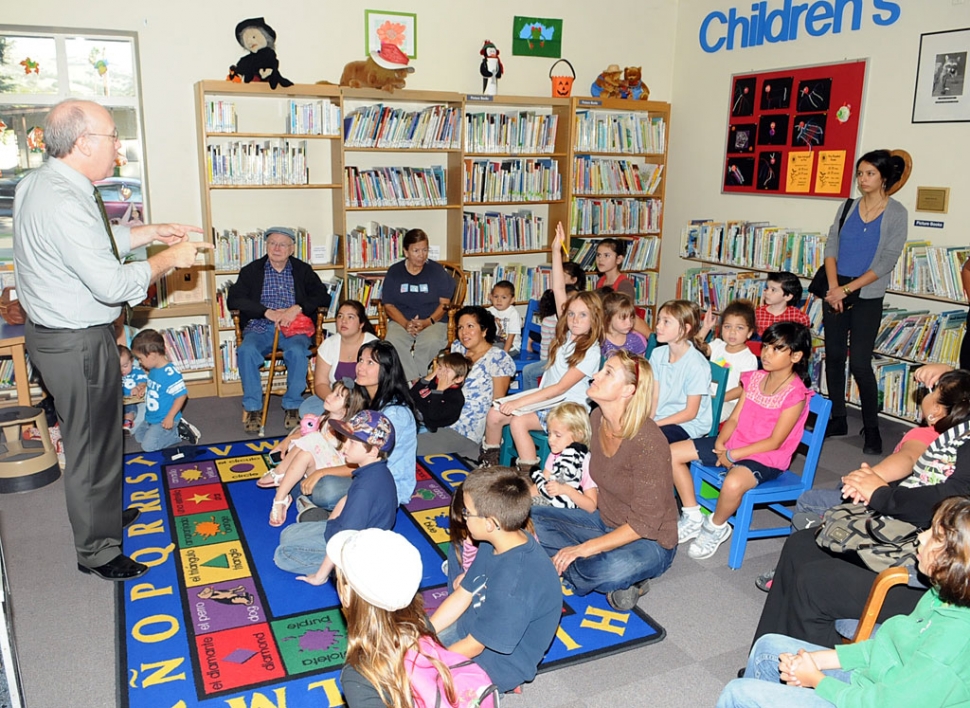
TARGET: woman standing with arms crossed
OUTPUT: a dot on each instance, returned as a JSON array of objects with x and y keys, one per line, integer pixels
[
  {"x": 865, "y": 251},
  {"x": 415, "y": 293},
  {"x": 632, "y": 536}
]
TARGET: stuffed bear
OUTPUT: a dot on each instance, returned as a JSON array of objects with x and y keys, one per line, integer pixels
[
  {"x": 633, "y": 86},
  {"x": 386, "y": 70},
  {"x": 261, "y": 63},
  {"x": 607, "y": 84}
]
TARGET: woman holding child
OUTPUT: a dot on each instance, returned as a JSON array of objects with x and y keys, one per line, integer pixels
[
  {"x": 632, "y": 536},
  {"x": 492, "y": 370}
]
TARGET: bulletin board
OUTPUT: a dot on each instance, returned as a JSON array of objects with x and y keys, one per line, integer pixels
[{"x": 794, "y": 132}]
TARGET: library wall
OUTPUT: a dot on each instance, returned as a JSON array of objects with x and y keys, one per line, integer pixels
[
  {"x": 182, "y": 42},
  {"x": 700, "y": 105}
]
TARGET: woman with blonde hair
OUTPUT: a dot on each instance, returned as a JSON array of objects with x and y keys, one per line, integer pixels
[{"x": 632, "y": 535}]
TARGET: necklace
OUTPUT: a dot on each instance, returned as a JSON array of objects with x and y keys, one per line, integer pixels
[
  {"x": 867, "y": 215},
  {"x": 777, "y": 388}
]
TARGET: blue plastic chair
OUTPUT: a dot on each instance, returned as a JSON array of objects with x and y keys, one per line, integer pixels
[
  {"x": 651, "y": 345},
  {"x": 507, "y": 451},
  {"x": 785, "y": 488},
  {"x": 719, "y": 375},
  {"x": 529, "y": 349}
]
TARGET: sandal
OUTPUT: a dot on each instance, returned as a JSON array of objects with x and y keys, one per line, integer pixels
[
  {"x": 277, "y": 519},
  {"x": 272, "y": 480}
]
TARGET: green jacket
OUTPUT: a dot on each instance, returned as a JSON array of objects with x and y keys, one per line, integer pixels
[{"x": 920, "y": 659}]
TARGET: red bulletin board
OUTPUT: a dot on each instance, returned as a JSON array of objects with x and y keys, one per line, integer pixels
[{"x": 794, "y": 132}]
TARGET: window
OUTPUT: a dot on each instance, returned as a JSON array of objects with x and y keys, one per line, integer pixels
[{"x": 41, "y": 67}]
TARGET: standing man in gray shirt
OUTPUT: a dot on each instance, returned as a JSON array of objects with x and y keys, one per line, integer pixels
[{"x": 72, "y": 282}]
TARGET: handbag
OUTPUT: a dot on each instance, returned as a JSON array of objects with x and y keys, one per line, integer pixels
[
  {"x": 301, "y": 324},
  {"x": 880, "y": 541},
  {"x": 819, "y": 287},
  {"x": 10, "y": 309}
]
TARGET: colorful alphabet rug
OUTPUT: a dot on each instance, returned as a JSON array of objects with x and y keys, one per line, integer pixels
[{"x": 215, "y": 623}]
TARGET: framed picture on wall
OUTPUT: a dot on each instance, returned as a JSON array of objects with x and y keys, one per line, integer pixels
[
  {"x": 942, "y": 92},
  {"x": 397, "y": 28}
]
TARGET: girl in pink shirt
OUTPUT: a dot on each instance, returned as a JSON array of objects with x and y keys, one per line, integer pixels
[{"x": 755, "y": 444}]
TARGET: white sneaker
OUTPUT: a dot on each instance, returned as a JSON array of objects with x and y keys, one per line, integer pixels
[
  {"x": 709, "y": 540},
  {"x": 688, "y": 526}
]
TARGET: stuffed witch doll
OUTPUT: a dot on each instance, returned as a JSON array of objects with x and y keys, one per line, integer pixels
[
  {"x": 491, "y": 68},
  {"x": 261, "y": 63}
]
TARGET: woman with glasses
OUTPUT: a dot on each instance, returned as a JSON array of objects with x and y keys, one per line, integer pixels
[
  {"x": 415, "y": 294},
  {"x": 632, "y": 536}
]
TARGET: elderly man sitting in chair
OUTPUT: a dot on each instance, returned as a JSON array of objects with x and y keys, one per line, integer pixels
[{"x": 273, "y": 291}]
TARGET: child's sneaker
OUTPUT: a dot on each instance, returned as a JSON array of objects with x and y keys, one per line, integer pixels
[
  {"x": 688, "y": 526},
  {"x": 128, "y": 425},
  {"x": 708, "y": 540},
  {"x": 303, "y": 503},
  {"x": 189, "y": 433},
  {"x": 764, "y": 581}
]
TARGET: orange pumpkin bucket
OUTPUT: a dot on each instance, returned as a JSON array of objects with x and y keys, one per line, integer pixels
[{"x": 562, "y": 86}]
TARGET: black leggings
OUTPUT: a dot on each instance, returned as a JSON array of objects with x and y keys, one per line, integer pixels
[{"x": 862, "y": 320}]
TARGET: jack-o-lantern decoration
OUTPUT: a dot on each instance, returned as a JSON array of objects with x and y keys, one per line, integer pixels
[{"x": 562, "y": 86}]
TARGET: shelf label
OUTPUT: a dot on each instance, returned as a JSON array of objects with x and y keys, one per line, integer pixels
[
  {"x": 479, "y": 98},
  {"x": 928, "y": 224},
  {"x": 589, "y": 102}
]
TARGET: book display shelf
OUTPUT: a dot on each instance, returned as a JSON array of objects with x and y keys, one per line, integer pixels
[
  {"x": 908, "y": 336},
  {"x": 617, "y": 157},
  {"x": 486, "y": 177}
]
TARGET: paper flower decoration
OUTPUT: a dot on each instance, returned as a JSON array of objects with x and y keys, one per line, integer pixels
[{"x": 392, "y": 32}]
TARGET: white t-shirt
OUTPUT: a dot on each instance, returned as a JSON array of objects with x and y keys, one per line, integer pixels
[
  {"x": 736, "y": 364},
  {"x": 509, "y": 321},
  {"x": 589, "y": 366}
]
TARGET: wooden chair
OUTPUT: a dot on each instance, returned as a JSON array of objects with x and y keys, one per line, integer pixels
[
  {"x": 456, "y": 303},
  {"x": 275, "y": 362},
  {"x": 785, "y": 488},
  {"x": 862, "y": 629}
]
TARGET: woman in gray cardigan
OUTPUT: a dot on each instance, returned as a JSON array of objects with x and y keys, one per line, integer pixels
[{"x": 865, "y": 250}]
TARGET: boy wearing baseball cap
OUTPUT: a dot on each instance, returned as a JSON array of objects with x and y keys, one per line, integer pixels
[{"x": 371, "y": 501}]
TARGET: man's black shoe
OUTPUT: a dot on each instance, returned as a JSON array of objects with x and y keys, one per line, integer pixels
[
  {"x": 129, "y": 515},
  {"x": 118, "y": 568}
]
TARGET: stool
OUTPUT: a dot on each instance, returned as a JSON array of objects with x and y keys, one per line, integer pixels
[{"x": 24, "y": 467}]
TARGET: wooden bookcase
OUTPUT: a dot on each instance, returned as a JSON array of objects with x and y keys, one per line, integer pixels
[{"x": 342, "y": 212}]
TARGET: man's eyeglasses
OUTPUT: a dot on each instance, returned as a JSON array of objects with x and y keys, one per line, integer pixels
[{"x": 113, "y": 135}]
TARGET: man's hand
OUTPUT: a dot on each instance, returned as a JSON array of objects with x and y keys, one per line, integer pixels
[
  {"x": 183, "y": 252},
  {"x": 288, "y": 315}
]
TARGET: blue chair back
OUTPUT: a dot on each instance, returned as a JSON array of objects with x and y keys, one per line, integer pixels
[
  {"x": 651, "y": 345},
  {"x": 719, "y": 375},
  {"x": 786, "y": 488},
  {"x": 529, "y": 349}
]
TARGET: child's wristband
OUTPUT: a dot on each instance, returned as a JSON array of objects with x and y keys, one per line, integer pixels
[{"x": 727, "y": 454}]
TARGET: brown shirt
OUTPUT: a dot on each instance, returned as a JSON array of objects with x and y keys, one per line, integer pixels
[{"x": 636, "y": 485}]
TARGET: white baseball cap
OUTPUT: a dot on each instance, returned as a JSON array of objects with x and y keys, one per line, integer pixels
[{"x": 381, "y": 566}]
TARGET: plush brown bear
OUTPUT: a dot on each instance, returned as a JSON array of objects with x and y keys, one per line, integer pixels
[
  {"x": 633, "y": 86},
  {"x": 386, "y": 70},
  {"x": 607, "y": 84}
]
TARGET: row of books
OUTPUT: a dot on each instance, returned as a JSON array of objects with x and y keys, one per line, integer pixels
[
  {"x": 604, "y": 217},
  {"x": 395, "y": 186},
  {"x": 530, "y": 281},
  {"x": 375, "y": 246},
  {"x": 603, "y": 175},
  {"x": 378, "y": 126},
  {"x": 222, "y": 297},
  {"x": 254, "y": 162},
  {"x": 894, "y": 379},
  {"x": 922, "y": 336},
  {"x": 759, "y": 245},
  {"x": 641, "y": 253},
  {"x": 644, "y": 287},
  {"x": 365, "y": 289},
  {"x": 493, "y": 232},
  {"x": 511, "y": 180},
  {"x": 7, "y": 378},
  {"x": 335, "y": 289},
  {"x": 220, "y": 117},
  {"x": 320, "y": 117},
  {"x": 234, "y": 249},
  {"x": 189, "y": 347},
  {"x": 521, "y": 132},
  {"x": 924, "y": 269},
  {"x": 633, "y": 133}
]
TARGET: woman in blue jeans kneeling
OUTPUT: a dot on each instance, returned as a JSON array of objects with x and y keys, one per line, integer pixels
[
  {"x": 920, "y": 659},
  {"x": 632, "y": 536},
  {"x": 380, "y": 374}
]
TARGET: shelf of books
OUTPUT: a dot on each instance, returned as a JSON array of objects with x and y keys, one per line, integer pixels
[
  {"x": 616, "y": 188},
  {"x": 907, "y": 337},
  {"x": 266, "y": 158}
]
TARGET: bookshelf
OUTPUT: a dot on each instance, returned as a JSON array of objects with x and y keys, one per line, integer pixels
[
  {"x": 617, "y": 156},
  {"x": 266, "y": 158},
  {"x": 908, "y": 336}
]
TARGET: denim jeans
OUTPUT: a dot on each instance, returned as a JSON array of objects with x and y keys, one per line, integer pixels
[
  {"x": 251, "y": 354},
  {"x": 152, "y": 436},
  {"x": 327, "y": 492},
  {"x": 604, "y": 572},
  {"x": 302, "y": 547},
  {"x": 531, "y": 373},
  {"x": 760, "y": 686},
  {"x": 817, "y": 501}
]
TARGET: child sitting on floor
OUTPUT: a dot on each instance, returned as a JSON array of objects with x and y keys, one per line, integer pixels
[
  {"x": 506, "y": 610},
  {"x": 370, "y": 502},
  {"x": 312, "y": 449},
  {"x": 438, "y": 399},
  {"x": 462, "y": 549},
  {"x": 756, "y": 443},
  {"x": 564, "y": 481}
]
